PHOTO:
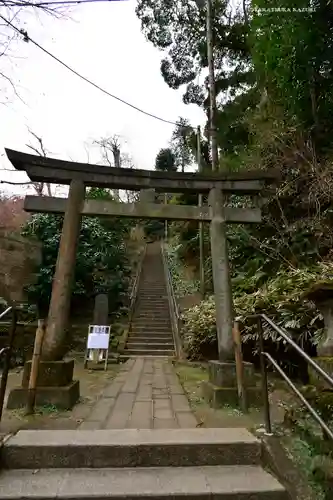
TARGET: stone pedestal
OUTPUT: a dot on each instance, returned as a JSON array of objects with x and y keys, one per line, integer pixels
[
  {"x": 55, "y": 386},
  {"x": 221, "y": 388}
]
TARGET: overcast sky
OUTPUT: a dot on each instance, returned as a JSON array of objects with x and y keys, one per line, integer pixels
[{"x": 104, "y": 43}]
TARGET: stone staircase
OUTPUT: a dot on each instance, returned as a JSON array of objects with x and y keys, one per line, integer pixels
[
  {"x": 191, "y": 464},
  {"x": 151, "y": 333}
]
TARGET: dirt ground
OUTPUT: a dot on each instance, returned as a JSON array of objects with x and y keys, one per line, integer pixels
[
  {"x": 92, "y": 382},
  {"x": 191, "y": 376}
]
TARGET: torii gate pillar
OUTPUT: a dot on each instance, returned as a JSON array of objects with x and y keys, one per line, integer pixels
[
  {"x": 64, "y": 274},
  {"x": 221, "y": 387},
  {"x": 221, "y": 276},
  {"x": 55, "y": 382}
]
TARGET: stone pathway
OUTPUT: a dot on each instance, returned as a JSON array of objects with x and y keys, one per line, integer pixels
[{"x": 146, "y": 394}]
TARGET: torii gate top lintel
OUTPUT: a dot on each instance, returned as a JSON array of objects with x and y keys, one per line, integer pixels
[
  {"x": 53, "y": 170},
  {"x": 79, "y": 175}
]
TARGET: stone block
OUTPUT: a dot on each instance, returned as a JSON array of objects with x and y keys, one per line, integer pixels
[
  {"x": 326, "y": 363},
  {"x": 223, "y": 374},
  {"x": 64, "y": 397},
  {"x": 220, "y": 396},
  {"x": 50, "y": 373},
  {"x": 130, "y": 448}
]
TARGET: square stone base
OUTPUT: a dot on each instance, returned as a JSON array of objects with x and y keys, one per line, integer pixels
[
  {"x": 64, "y": 397},
  {"x": 50, "y": 373},
  {"x": 223, "y": 374},
  {"x": 221, "y": 388},
  {"x": 221, "y": 396}
]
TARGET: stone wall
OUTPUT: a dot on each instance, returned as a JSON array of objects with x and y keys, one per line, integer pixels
[{"x": 19, "y": 259}]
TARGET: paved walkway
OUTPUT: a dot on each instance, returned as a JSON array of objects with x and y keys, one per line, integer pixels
[{"x": 146, "y": 394}]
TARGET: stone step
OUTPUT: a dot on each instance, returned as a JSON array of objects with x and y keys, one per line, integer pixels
[
  {"x": 149, "y": 352},
  {"x": 153, "y": 284},
  {"x": 154, "y": 298},
  {"x": 156, "y": 483},
  {"x": 38, "y": 449},
  {"x": 150, "y": 333},
  {"x": 153, "y": 315},
  {"x": 159, "y": 330},
  {"x": 150, "y": 337},
  {"x": 152, "y": 309},
  {"x": 152, "y": 318},
  {"x": 150, "y": 289},
  {"x": 149, "y": 345},
  {"x": 151, "y": 323},
  {"x": 151, "y": 302},
  {"x": 151, "y": 328}
]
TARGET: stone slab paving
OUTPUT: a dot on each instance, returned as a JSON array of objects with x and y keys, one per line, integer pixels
[{"x": 146, "y": 394}]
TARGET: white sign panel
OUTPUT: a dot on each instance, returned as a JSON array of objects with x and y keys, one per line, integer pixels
[
  {"x": 98, "y": 344},
  {"x": 98, "y": 337},
  {"x": 98, "y": 341}
]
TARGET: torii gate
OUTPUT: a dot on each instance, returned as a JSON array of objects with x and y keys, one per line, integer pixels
[{"x": 80, "y": 175}]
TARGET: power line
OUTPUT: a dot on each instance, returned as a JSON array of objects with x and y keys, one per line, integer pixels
[
  {"x": 27, "y": 38},
  {"x": 23, "y": 3}
]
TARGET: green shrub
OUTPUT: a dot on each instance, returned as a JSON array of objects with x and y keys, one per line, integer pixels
[
  {"x": 280, "y": 298},
  {"x": 181, "y": 285},
  {"x": 101, "y": 260},
  {"x": 199, "y": 330}
]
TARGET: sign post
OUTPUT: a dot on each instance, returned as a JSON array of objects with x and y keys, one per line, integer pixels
[{"x": 98, "y": 341}]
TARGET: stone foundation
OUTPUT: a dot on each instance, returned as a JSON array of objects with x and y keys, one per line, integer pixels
[
  {"x": 221, "y": 388},
  {"x": 50, "y": 373},
  {"x": 55, "y": 386}
]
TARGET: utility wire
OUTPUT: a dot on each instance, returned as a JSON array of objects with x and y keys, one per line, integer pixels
[
  {"x": 23, "y": 3},
  {"x": 27, "y": 38}
]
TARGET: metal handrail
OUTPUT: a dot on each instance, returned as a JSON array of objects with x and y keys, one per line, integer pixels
[
  {"x": 6, "y": 311},
  {"x": 264, "y": 356},
  {"x": 173, "y": 306},
  {"x": 7, "y": 353},
  {"x": 169, "y": 278},
  {"x": 134, "y": 291}
]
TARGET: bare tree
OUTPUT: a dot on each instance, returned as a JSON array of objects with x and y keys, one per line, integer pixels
[
  {"x": 113, "y": 156},
  {"x": 110, "y": 145},
  {"x": 13, "y": 13},
  {"x": 40, "y": 150}
]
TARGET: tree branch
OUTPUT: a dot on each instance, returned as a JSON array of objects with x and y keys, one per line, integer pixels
[{"x": 16, "y": 183}]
